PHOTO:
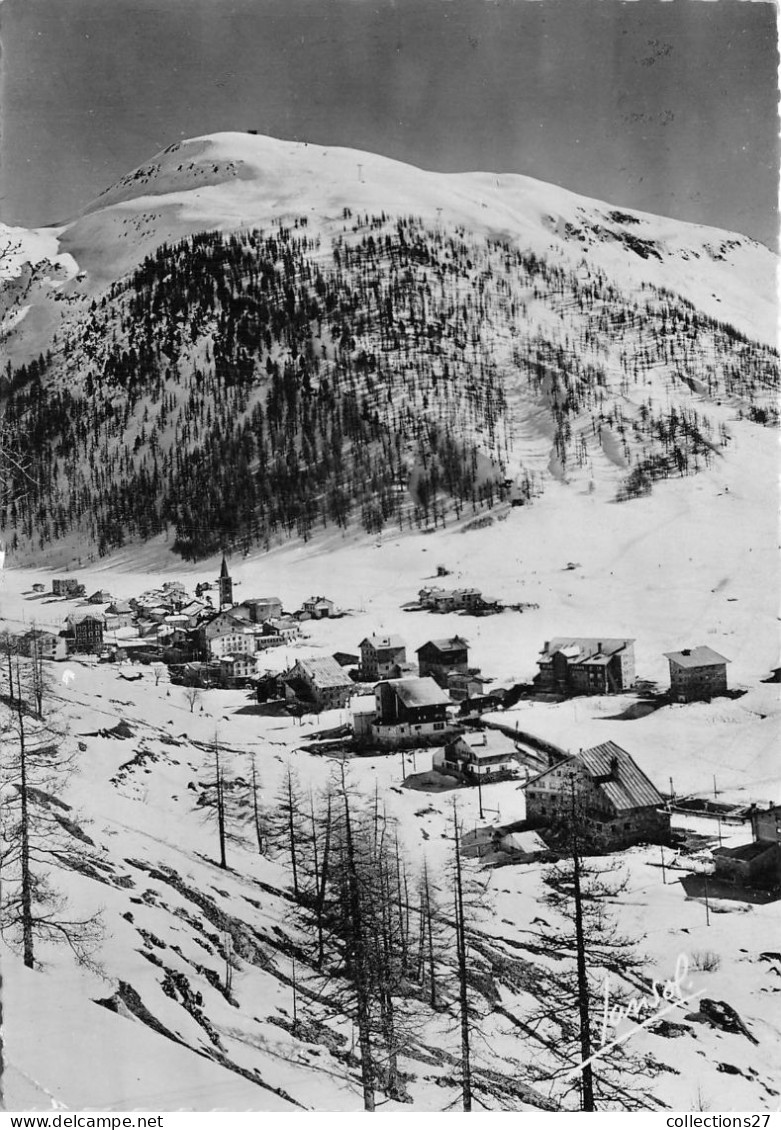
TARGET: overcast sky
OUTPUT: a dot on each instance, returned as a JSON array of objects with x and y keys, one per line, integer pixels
[{"x": 664, "y": 106}]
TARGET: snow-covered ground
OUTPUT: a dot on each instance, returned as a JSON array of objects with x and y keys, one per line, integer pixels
[{"x": 695, "y": 562}]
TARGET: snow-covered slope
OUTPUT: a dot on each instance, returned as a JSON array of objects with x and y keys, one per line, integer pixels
[
  {"x": 694, "y": 562},
  {"x": 229, "y": 181}
]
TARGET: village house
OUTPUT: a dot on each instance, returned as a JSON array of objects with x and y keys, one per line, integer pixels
[
  {"x": 119, "y": 614},
  {"x": 482, "y": 755},
  {"x": 449, "y": 600},
  {"x": 259, "y": 609},
  {"x": 757, "y": 864},
  {"x": 696, "y": 673},
  {"x": 320, "y": 681},
  {"x": 36, "y": 643},
  {"x": 237, "y": 667},
  {"x": 67, "y": 586},
  {"x": 495, "y": 843},
  {"x": 380, "y": 655},
  {"x": 582, "y": 665},
  {"x": 318, "y": 608},
  {"x": 101, "y": 596},
  {"x": 156, "y": 612},
  {"x": 227, "y": 634},
  {"x": 410, "y": 712},
  {"x": 174, "y": 588},
  {"x": 195, "y": 612},
  {"x": 606, "y": 792},
  {"x": 487, "y": 606},
  {"x": 38, "y": 587},
  {"x": 462, "y": 685},
  {"x": 277, "y": 631},
  {"x": 87, "y": 631},
  {"x": 440, "y": 658}
]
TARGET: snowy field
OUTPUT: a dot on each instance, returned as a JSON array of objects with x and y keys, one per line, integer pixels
[{"x": 694, "y": 563}]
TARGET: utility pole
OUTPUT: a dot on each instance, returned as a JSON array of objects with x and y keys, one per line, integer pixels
[
  {"x": 661, "y": 853},
  {"x": 480, "y": 792},
  {"x": 707, "y": 904}
]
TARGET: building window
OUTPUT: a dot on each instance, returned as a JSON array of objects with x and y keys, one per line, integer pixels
[{"x": 439, "y": 725}]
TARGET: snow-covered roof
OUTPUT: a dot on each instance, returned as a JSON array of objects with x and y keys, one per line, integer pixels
[
  {"x": 626, "y": 785},
  {"x": 577, "y": 649},
  {"x": 454, "y": 643},
  {"x": 380, "y": 643},
  {"x": 526, "y": 842},
  {"x": 419, "y": 692},
  {"x": 613, "y": 770},
  {"x": 324, "y": 671},
  {"x": 87, "y": 614},
  {"x": 489, "y": 743},
  {"x": 696, "y": 657}
]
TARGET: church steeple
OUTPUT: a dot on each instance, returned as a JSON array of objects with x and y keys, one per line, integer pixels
[{"x": 225, "y": 584}]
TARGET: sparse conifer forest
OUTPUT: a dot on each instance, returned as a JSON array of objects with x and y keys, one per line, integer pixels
[{"x": 240, "y": 389}]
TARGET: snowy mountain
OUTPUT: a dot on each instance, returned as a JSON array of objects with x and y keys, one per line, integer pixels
[{"x": 300, "y": 336}]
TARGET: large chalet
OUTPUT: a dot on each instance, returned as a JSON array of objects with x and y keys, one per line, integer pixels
[
  {"x": 320, "y": 681},
  {"x": 696, "y": 673},
  {"x": 440, "y": 658},
  {"x": 409, "y": 712},
  {"x": 582, "y": 665},
  {"x": 606, "y": 792},
  {"x": 227, "y": 634},
  {"x": 482, "y": 755},
  {"x": 381, "y": 657},
  {"x": 87, "y": 632}
]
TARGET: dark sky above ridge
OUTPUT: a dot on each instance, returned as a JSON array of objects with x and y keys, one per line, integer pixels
[{"x": 667, "y": 106}]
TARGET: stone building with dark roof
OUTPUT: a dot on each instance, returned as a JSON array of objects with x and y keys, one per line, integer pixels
[
  {"x": 586, "y": 665},
  {"x": 380, "y": 655},
  {"x": 605, "y": 791},
  {"x": 410, "y": 712},
  {"x": 440, "y": 658},
  {"x": 696, "y": 673},
  {"x": 320, "y": 681}
]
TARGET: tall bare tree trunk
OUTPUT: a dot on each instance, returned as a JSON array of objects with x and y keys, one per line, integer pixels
[
  {"x": 321, "y": 892},
  {"x": 291, "y": 828},
  {"x": 24, "y": 832},
  {"x": 463, "y": 998},
  {"x": 256, "y": 809},
  {"x": 587, "y": 1085},
  {"x": 220, "y": 806},
  {"x": 361, "y": 972}
]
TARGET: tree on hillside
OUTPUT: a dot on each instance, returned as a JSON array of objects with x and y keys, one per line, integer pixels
[
  {"x": 223, "y": 800},
  {"x": 586, "y": 946},
  {"x": 38, "y": 832},
  {"x": 356, "y": 915}
]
